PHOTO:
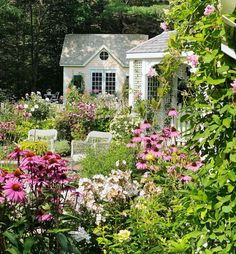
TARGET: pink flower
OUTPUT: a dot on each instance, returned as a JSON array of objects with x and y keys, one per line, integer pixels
[
  {"x": 185, "y": 179},
  {"x": 173, "y": 112},
  {"x": 17, "y": 152},
  {"x": 2, "y": 200},
  {"x": 27, "y": 114},
  {"x": 141, "y": 165},
  {"x": 137, "y": 131},
  {"x": 13, "y": 191},
  {"x": 194, "y": 166},
  {"x": 145, "y": 125},
  {"x": 234, "y": 86},
  {"x": 151, "y": 73},
  {"x": 209, "y": 10},
  {"x": 171, "y": 169},
  {"x": 174, "y": 133},
  {"x": 164, "y": 26},
  {"x": 43, "y": 216},
  {"x": 136, "y": 139},
  {"x": 131, "y": 144},
  {"x": 193, "y": 60},
  {"x": 167, "y": 157}
]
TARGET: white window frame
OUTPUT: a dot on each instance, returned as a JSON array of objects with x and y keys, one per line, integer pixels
[{"x": 104, "y": 72}]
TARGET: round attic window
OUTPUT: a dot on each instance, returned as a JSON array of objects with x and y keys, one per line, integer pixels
[{"x": 103, "y": 55}]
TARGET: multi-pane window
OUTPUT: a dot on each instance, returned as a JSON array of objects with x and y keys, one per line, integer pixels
[
  {"x": 103, "y": 81},
  {"x": 97, "y": 82},
  {"x": 110, "y": 83},
  {"x": 152, "y": 88},
  {"x": 103, "y": 55}
]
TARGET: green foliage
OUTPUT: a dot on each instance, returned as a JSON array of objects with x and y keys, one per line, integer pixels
[
  {"x": 102, "y": 162},
  {"x": 62, "y": 147},
  {"x": 38, "y": 147},
  {"x": 211, "y": 202}
]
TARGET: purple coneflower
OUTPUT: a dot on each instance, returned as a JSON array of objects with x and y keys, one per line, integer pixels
[
  {"x": 13, "y": 191},
  {"x": 173, "y": 112}
]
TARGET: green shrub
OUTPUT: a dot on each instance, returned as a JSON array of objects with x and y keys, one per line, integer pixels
[
  {"x": 62, "y": 147},
  {"x": 38, "y": 147},
  {"x": 100, "y": 162}
]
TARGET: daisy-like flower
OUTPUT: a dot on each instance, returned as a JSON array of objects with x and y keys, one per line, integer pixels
[
  {"x": 136, "y": 139},
  {"x": 234, "y": 86},
  {"x": 145, "y": 125},
  {"x": 137, "y": 131},
  {"x": 44, "y": 216},
  {"x": 173, "y": 112},
  {"x": 164, "y": 26},
  {"x": 209, "y": 10},
  {"x": 194, "y": 166},
  {"x": 141, "y": 165},
  {"x": 174, "y": 132},
  {"x": 17, "y": 152},
  {"x": 13, "y": 190},
  {"x": 185, "y": 179}
]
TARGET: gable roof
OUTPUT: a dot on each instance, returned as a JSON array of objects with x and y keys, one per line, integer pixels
[
  {"x": 79, "y": 49},
  {"x": 157, "y": 44}
]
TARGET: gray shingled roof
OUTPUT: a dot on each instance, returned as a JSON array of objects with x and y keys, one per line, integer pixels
[
  {"x": 79, "y": 48},
  {"x": 157, "y": 44}
]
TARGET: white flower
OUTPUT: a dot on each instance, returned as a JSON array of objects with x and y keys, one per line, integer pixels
[
  {"x": 124, "y": 235},
  {"x": 38, "y": 93},
  {"x": 47, "y": 99},
  {"x": 36, "y": 106},
  {"x": 117, "y": 163},
  {"x": 124, "y": 162},
  {"x": 80, "y": 235},
  {"x": 26, "y": 105},
  {"x": 32, "y": 109}
]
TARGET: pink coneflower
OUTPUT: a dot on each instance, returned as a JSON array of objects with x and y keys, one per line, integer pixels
[
  {"x": 193, "y": 60},
  {"x": 164, "y": 26},
  {"x": 171, "y": 169},
  {"x": 17, "y": 152},
  {"x": 137, "y": 131},
  {"x": 151, "y": 72},
  {"x": 136, "y": 139},
  {"x": 209, "y": 10},
  {"x": 234, "y": 86},
  {"x": 13, "y": 191},
  {"x": 44, "y": 216},
  {"x": 185, "y": 179},
  {"x": 173, "y": 112},
  {"x": 155, "y": 136},
  {"x": 27, "y": 114},
  {"x": 145, "y": 125},
  {"x": 182, "y": 156},
  {"x": 166, "y": 157},
  {"x": 194, "y": 166},
  {"x": 174, "y": 133},
  {"x": 155, "y": 152},
  {"x": 131, "y": 144},
  {"x": 173, "y": 149},
  {"x": 142, "y": 165},
  {"x": 166, "y": 132}
]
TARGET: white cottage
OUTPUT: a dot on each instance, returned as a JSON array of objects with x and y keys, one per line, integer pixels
[
  {"x": 97, "y": 62},
  {"x": 141, "y": 59}
]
